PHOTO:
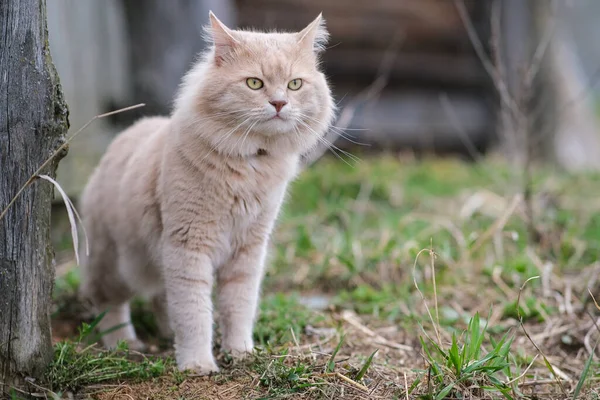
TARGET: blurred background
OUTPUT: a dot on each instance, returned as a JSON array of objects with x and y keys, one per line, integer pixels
[
  {"x": 467, "y": 127},
  {"x": 509, "y": 77}
]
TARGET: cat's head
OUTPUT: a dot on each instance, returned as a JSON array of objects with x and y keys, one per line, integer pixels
[{"x": 260, "y": 90}]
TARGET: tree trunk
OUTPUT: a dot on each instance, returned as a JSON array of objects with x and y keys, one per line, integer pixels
[{"x": 33, "y": 122}]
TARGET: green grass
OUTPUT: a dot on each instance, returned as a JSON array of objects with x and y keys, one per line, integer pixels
[
  {"x": 280, "y": 315},
  {"x": 77, "y": 364},
  {"x": 466, "y": 364},
  {"x": 353, "y": 234}
]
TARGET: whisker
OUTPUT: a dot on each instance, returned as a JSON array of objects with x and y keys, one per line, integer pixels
[
  {"x": 339, "y": 131},
  {"x": 210, "y": 117},
  {"x": 224, "y": 138},
  {"x": 330, "y": 145},
  {"x": 248, "y": 132},
  {"x": 242, "y": 138}
]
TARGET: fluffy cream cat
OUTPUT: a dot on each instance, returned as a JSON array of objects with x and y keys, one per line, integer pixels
[{"x": 177, "y": 203}]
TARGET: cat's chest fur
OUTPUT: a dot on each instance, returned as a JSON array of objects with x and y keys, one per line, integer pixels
[
  {"x": 253, "y": 193},
  {"x": 223, "y": 204},
  {"x": 257, "y": 185}
]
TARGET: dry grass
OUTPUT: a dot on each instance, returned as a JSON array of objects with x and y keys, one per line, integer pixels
[{"x": 350, "y": 236}]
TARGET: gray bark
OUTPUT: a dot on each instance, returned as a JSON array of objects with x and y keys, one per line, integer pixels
[{"x": 33, "y": 122}]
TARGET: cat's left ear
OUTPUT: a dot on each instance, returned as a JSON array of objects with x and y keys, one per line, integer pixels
[
  {"x": 222, "y": 37},
  {"x": 315, "y": 35}
]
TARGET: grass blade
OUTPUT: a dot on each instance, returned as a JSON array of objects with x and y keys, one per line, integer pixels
[
  {"x": 331, "y": 363},
  {"x": 584, "y": 373},
  {"x": 70, "y": 213},
  {"x": 444, "y": 392},
  {"x": 365, "y": 366},
  {"x": 453, "y": 355}
]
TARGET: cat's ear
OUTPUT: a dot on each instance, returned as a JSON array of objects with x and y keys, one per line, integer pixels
[
  {"x": 222, "y": 37},
  {"x": 314, "y": 36}
]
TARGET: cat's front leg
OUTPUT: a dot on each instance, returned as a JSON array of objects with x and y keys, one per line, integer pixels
[
  {"x": 238, "y": 288},
  {"x": 188, "y": 282}
]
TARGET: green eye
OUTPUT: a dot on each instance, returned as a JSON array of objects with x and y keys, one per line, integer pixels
[
  {"x": 254, "y": 83},
  {"x": 295, "y": 84}
]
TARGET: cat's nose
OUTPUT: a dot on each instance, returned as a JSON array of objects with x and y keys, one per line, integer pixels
[{"x": 278, "y": 104}]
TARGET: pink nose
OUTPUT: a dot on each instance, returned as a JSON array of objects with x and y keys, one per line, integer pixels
[{"x": 278, "y": 104}]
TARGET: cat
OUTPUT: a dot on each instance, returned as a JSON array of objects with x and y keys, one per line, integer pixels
[{"x": 181, "y": 202}]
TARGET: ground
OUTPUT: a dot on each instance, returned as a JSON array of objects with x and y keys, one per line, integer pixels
[{"x": 390, "y": 278}]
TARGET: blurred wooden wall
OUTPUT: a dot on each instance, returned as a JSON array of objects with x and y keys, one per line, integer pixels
[
  {"x": 116, "y": 53},
  {"x": 111, "y": 54},
  {"x": 431, "y": 57},
  {"x": 90, "y": 54}
]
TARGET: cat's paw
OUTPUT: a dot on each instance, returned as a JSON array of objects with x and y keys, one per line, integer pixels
[
  {"x": 238, "y": 354},
  {"x": 137, "y": 345},
  {"x": 199, "y": 368}
]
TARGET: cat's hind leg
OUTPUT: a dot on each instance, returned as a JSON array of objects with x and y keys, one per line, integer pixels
[
  {"x": 158, "y": 303},
  {"x": 116, "y": 326},
  {"x": 104, "y": 287}
]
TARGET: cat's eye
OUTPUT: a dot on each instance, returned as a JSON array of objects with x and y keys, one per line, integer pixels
[
  {"x": 295, "y": 84},
  {"x": 254, "y": 83}
]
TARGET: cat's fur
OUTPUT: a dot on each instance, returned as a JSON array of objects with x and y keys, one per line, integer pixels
[{"x": 178, "y": 202}]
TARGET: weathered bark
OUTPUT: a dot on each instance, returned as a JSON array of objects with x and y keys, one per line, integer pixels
[{"x": 33, "y": 122}]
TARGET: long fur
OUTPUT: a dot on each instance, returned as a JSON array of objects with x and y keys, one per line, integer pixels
[{"x": 181, "y": 202}]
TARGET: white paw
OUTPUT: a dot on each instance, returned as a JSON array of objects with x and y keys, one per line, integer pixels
[
  {"x": 240, "y": 352},
  {"x": 199, "y": 368},
  {"x": 137, "y": 345}
]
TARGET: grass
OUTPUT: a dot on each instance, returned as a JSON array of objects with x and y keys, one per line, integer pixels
[
  {"x": 455, "y": 370},
  {"x": 77, "y": 364},
  {"x": 350, "y": 236}
]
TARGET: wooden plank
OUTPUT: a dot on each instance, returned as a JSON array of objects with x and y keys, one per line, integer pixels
[
  {"x": 435, "y": 13},
  {"x": 401, "y": 119},
  {"x": 439, "y": 68},
  {"x": 359, "y": 30},
  {"x": 87, "y": 43}
]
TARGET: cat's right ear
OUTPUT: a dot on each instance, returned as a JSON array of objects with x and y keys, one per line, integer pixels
[
  {"x": 222, "y": 38},
  {"x": 314, "y": 36}
]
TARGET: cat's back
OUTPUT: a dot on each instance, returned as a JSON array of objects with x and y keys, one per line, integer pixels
[
  {"x": 136, "y": 150},
  {"x": 139, "y": 138}
]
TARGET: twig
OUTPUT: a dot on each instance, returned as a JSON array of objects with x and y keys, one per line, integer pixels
[
  {"x": 435, "y": 298},
  {"x": 59, "y": 150},
  {"x": 435, "y": 327},
  {"x": 541, "y": 382},
  {"x": 497, "y": 279},
  {"x": 295, "y": 340},
  {"x": 524, "y": 372},
  {"x": 350, "y": 317},
  {"x": 367, "y": 94},
  {"x": 588, "y": 336},
  {"x": 71, "y": 212},
  {"x": 498, "y": 224},
  {"x": 540, "y": 51},
  {"x": 552, "y": 369},
  {"x": 500, "y": 84},
  {"x": 593, "y": 299},
  {"x": 319, "y": 343},
  {"x": 462, "y": 134},
  {"x": 350, "y": 381}
]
